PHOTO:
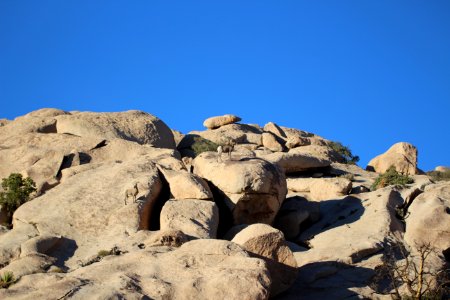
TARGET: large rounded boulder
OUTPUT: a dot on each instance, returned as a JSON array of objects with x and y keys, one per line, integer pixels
[
  {"x": 403, "y": 156},
  {"x": 252, "y": 188},
  {"x": 133, "y": 125}
]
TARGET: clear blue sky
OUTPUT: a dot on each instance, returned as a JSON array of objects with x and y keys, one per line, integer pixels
[{"x": 366, "y": 73}]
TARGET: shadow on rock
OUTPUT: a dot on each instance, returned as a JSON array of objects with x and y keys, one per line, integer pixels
[
  {"x": 335, "y": 213},
  {"x": 328, "y": 280},
  {"x": 63, "y": 251}
]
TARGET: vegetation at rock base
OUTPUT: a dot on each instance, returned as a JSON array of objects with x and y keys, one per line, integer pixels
[
  {"x": 202, "y": 145},
  {"x": 16, "y": 191},
  {"x": 411, "y": 276},
  {"x": 6, "y": 279},
  {"x": 439, "y": 176},
  {"x": 391, "y": 177},
  {"x": 345, "y": 153}
]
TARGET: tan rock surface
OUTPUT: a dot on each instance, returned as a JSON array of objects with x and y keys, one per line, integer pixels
[
  {"x": 184, "y": 185},
  {"x": 240, "y": 133},
  {"x": 133, "y": 125},
  {"x": 330, "y": 188},
  {"x": 403, "y": 156},
  {"x": 272, "y": 142},
  {"x": 90, "y": 204},
  {"x": 295, "y": 161},
  {"x": 200, "y": 269},
  {"x": 253, "y": 188},
  {"x": 275, "y": 129},
  {"x": 294, "y": 214},
  {"x": 195, "y": 218},
  {"x": 216, "y": 122},
  {"x": 429, "y": 219},
  {"x": 352, "y": 228},
  {"x": 268, "y": 243}
]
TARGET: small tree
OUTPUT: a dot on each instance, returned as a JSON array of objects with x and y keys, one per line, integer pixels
[
  {"x": 16, "y": 191},
  {"x": 345, "y": 153},
  {"x": 411, "y": 276}
]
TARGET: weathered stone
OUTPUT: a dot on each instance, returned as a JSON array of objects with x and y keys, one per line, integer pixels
[
  {"x": 294, "y": 161},
  {"x": 193, "y": 217},
  {"x": 200, "y": 269},
  {"x": 270, "y": 141},
  {"x": 429, "y": 220},
  {"x": 294, "y": 213},
  {"x": 184, "y": 185},
  {"x": 41, "y": 244},
  {"x": 90, "y": 204},
  {"x": 275, "y": 129},
  {"x": 403, "y": 156},
  {"x": 253, "y": 188},
  {"x": 216, "y": 122},
  {"x": 352, "y": 228},
  {"x": 132, "y": 125},
  {"x": 240, "y": 133},
  {"x": 170, "y": 237},
  {"x": 268, "y": 243}
]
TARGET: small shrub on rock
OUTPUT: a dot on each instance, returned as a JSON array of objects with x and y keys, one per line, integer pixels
[
  {"x": 6, "y": 279},
  {"x": 16, "y": 191},
  {"x": 439, "y": 176},
  {"x": 391, "y": 177},
  {"x": 202, "y": 145},
  {"x": 346, "y": 154}
]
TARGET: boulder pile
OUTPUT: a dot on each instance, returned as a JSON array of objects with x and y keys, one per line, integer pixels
[{"x": 127, "y": 208}]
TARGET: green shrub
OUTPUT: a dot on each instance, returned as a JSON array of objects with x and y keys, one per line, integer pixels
[
  {"x": 344, "y": 152},
  {"x": 16, "y": 191},
  {"x": 391, "y": 177},
  {"x": 202, "y": 145},
  {"x": 439, "y": 176},
  {"x": 6, "y": 279}
]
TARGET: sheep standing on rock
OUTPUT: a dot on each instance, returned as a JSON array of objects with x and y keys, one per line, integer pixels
[
  {"x": 133, "y": 192},
  {"x": 227, "y": 148}
]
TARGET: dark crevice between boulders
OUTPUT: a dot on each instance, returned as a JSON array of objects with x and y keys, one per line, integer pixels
[
  {"x": 318, "y": 172},
  {"x": 48, "y": 128},
  {"x": 226, "y": 219},
  {"x": 101, "y": 144},
  {"x": 401, "y": 211},
  {"x": 163, "y": 197},
  {"x": 71, "y": 160}
]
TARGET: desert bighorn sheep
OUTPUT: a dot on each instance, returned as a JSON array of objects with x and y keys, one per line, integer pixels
[
  {"x": 227, "y": 147},
  {"x": 133, "y": 192}
]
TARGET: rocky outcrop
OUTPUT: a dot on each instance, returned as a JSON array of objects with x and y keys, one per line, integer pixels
[
  {"x": 240, "y": 133},
  {"x": 295, "y": 161},
  {"x": 216, "y": 122},
  {"x": 184, "y": 185},
  {"x": 403, "y": 156},
  {"x": 89, "y": 204},
  {"x": 201, "y": 269},
  {"x": 271, "y": 142},
  {"x": 295, "y": 215},
  {"x": 253, "y": 189},
  {"x": 429, "y": 220},
  {"x": 195, "y": 218},
  {"x": 136, "y": 126},
  {"x": 321, "y": 188},
  {"x": 357, "y": 225},
  {"x": 268, "y": 243},
  {"x": 83, "y": 236}
]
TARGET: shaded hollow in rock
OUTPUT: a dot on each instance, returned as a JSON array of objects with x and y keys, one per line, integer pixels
[{"x": 163, "y": 197}]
